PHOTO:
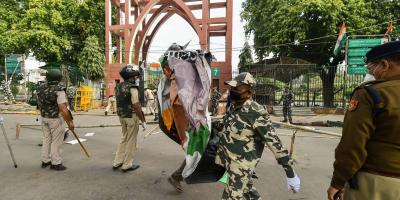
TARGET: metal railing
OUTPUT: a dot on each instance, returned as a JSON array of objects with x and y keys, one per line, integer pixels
[{"x": 312, "y": 85}]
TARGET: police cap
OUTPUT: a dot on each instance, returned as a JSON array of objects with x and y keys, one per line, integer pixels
[
  {"x": 53, "y": 75},
  {"x": 383, "y": 51},
  {"x": 242, "y": 78},
  {"x": 129, "y": 71}
]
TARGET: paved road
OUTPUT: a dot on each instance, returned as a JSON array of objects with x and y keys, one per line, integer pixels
[{"x": 158, "y": 156}]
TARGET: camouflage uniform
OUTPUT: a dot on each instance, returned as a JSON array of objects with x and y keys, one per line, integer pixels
[
  {"x": 127, "y": 95},
  {"x": 71, "y": 97},
  {"x": 288, "y": 99},
  {"x": 244, "y": 132},
  {"x": 5, "y": 87},
  {"x": 214, "y": 100},
  {"x": 49, "y": 95}
]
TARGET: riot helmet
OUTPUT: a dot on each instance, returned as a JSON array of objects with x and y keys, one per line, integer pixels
[
  {"x": 53, "y": 75},
  {"x": 129, "y": 71}
]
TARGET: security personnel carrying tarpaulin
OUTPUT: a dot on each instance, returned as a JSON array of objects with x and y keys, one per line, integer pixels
[
  {"x": 245, "y": 130},
  {"x": 367, "y": 159}
]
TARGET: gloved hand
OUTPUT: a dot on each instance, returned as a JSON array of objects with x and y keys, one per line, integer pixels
[
  {"x": 294, "y": 184},
  {"x": 144, "y": 125}
]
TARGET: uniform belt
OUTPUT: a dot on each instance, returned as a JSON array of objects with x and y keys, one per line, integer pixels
[
  {"x": 151, "y": 99},
  {"x": 380, "y": 173}
]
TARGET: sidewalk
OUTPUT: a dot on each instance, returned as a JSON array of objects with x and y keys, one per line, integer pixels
[{"x": 318, "y": 120}]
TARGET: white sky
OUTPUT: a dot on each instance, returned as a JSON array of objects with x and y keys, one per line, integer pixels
[{"x": 178, "y": 30}]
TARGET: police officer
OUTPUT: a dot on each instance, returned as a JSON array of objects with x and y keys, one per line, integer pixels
[
  {"x": 246, "y": 128},
  {"x": 288, "y": 99},
  {"x": 368, "y": 155},
  {"x": 129, "y": 112},
  {"x": 111, "y": 104},
  {"x": 52, "y": 102},
  {"x": 150, "y": 103}
]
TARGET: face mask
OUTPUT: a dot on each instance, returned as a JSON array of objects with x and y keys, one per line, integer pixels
[
  {"x": 137, "y": 81},
  {"x": 235, "y": 96},
  {"x": 369, "y": 77}
]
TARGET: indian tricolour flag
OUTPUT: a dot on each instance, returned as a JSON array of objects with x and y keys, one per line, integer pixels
[{"x": 340, "y": 40}]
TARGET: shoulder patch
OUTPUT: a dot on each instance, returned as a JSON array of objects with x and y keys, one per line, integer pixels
[{"x": 353, "y": 105}]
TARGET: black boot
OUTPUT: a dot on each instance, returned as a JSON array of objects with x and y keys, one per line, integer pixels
[
  {"x": 134, "y": 167},
  {"x": 44, "y": 165},
  {"x": 59, "y": 167}
]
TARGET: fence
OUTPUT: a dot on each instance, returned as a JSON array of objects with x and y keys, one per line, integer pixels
[{"x": 312, "y": 86}]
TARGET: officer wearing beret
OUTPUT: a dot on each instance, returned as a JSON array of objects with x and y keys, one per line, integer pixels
[{"x": 367, "y": 159}]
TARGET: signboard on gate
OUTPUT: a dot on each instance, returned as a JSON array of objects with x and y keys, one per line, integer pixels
[
  {"x": 215, "y": 72},
  {"x": 357, "y": 48}
]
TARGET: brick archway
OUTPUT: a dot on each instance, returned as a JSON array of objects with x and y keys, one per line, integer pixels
[{"x": 128, "y": 37}]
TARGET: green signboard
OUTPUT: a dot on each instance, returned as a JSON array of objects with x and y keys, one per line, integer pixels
[
  {"x": 215, "y": 72},
  {"x": 13, "y": 63},
  {"x": 357, "y": 70},
  {"x": 356, "y": 51},
  {"x": 362, "y": 43}
]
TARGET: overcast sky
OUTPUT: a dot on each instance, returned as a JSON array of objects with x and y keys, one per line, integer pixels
[{"x": 178, "y": 30}]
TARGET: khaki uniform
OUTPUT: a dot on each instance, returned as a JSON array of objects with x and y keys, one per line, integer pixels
[
  {"x": 150, "y": 102},
  {"x": 130, "y": 127},
  {"x": 369, "y": 150},
  {"x": 111, "y": 104},
  {"x": 376, "y": 187},
  {"x": 53, "y": 135}
]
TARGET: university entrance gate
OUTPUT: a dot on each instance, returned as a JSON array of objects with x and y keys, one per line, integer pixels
[{"x": 132, "y": 24}]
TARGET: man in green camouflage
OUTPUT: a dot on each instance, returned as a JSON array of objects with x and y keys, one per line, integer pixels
[
  {"x": 245, "y": 130},
  {"x": 288, "y": 99},
  {"x": 71, "y": 91},
  {"x": 215, "y": 101},
  {"x": 52, "y": 103},
  {"x": 129, "y": 112}
]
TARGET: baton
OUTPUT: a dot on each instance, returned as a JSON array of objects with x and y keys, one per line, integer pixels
[
  {"x": 83, "y": 148},
  {"x": 150, "y": 131},
  {"x": 8, "y": 143}
]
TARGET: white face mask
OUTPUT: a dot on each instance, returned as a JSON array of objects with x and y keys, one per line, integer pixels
[
  {"x": 369, "y": 77},
  {"x": 137, "y": 81}
]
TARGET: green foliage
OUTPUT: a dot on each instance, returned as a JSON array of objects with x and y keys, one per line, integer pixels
[
  {"x": 53, "y": 30},
  {"x": 284, "y": 22},
  {"x": 14, "y": 89},
  {"x": 48, "y": 27},
  {"x": 91, "y": 59},
  {"x": 307, "y": 29},
  {"x": 31, "y": 86},
  {"x": 245, "y": 56},
  {"x": 11, "y": 12}
]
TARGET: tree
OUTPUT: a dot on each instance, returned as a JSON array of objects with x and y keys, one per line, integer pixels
[
  {"x": 307, "y": 29},
  {"x": 55, "y": 30},
  {"x": 91, "y": 59},
  {"x": 48, "y": 26},
  {"x": 11, "y": 40},
  {"x": 245, "y": 56}
]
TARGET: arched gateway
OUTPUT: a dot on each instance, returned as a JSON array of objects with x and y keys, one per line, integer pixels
[{"x": 129, "y": 27}]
